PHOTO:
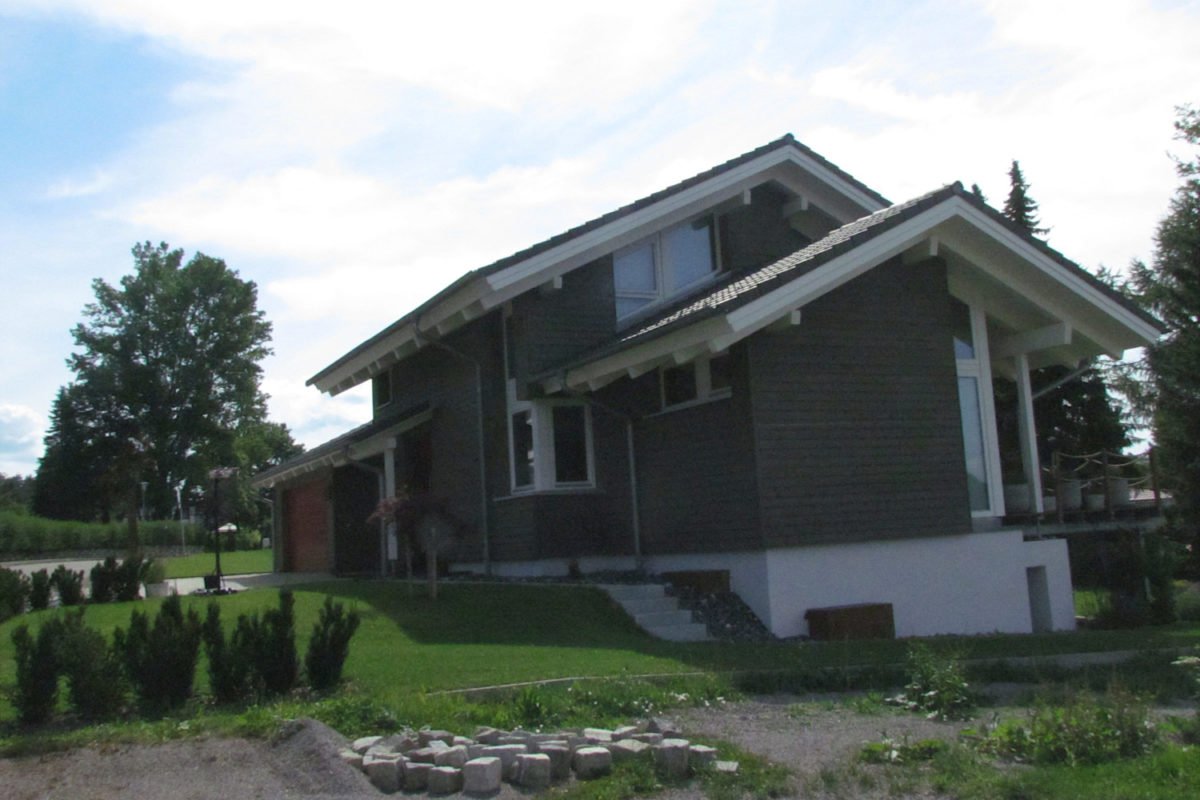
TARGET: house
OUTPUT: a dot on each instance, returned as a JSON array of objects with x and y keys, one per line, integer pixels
[{"x": 767, "y": 370}]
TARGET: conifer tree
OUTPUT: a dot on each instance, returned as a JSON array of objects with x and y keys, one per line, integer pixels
[{"x": 1019, "y": 206}]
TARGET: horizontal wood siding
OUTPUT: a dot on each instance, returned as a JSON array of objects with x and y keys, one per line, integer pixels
[
  {"x": 696, "y": 476},
  {"x": 758, "y": 234},
  {"x": 856, "y": 419},
  {"x": 551, "y": 328}
]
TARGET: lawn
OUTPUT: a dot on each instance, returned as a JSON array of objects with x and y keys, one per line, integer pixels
[{"x": 237, "y": 562}]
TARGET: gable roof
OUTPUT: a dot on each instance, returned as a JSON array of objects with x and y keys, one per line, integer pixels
[
  {"x": 484, "y": 288},
  {"x": 726, "y": 312}
]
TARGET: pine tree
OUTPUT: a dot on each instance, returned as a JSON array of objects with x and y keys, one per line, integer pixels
[{"x": 1020, "y": 207}]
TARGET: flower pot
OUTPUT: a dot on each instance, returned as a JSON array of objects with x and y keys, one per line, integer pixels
[
  {"x": 1072, "y": 494},
  {"x": 157, "y": 589},
  {"x": 1118, "y": 492},
  {"x": 1017, "y": 498}
]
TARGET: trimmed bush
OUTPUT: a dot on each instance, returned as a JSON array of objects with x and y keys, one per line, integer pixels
[
  {"x": 127, "y": 579},
  {"x": 276, "y": 662},
  {"x": 37, "y": 672},
  {"x": 329, "y": 645},
  {"x": 161, "y": 660},
  {"x": 230, "y": 663},
  {"x": 39, "y": 590},
  {"x": 69, "y": 584},
  {"x": 28, "y": 535},
  {"x": 14, "y": 588},
  {"x": 104, "y": 578},
  {"x": 95, "y": 683}
]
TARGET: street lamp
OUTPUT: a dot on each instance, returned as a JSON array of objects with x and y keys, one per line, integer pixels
[{"x": 216, "y": 476}]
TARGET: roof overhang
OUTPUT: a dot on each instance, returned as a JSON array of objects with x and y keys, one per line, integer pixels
[
  {"x": 356, "y": 451},
  {"x": 789, "y": 167},
  {"x": 1029, "y": 290}
]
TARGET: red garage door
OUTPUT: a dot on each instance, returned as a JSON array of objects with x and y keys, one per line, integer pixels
[{"x": 306, "y": 528}]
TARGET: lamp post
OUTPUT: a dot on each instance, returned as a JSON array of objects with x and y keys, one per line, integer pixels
[{"x": 217, "y": 475}]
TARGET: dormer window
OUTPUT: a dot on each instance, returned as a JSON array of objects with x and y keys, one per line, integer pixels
[{"x": 663, "y": 266}]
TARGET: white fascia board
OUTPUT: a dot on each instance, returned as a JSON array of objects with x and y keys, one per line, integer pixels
[
  {"x": 369, "y": 362},
  {"x": 721, "y": 187},
  {"x": 1026, "y": 342},
  {"x": 1053, "y": 269},
  {"x": 640, "y": 358}
]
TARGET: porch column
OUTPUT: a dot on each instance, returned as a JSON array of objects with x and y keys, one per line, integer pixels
[
  {"x": 388, "y": 532},
  {"x": 1027, "y": 430}
]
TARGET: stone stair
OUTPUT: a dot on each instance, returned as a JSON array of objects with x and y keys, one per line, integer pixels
[{"x": 657, "y": 613}]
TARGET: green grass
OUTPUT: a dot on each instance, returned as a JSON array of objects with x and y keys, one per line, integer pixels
[{"x": 237, "y": 562}]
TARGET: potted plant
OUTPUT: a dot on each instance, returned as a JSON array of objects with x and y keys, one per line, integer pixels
[{"x": 154, "y": 577}]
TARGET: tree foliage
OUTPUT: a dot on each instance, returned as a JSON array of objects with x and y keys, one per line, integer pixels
[
  {"x": 166, "y": 387},
  {"x": 1169, "y": 288},
  {"x": 1019, "y": 206}
]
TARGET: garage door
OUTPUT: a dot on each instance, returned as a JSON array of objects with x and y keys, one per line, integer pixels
[{"x": 306, "y": 528}]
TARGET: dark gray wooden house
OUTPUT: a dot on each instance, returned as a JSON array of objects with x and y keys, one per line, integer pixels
[{"x": 767, "y": 370}]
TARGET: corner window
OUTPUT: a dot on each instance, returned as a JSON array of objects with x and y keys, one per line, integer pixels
[
  {"x": 551, "y": 446},
  {"x": 381, "y": 389},
  {"x": 663, "y": 266},
  {"x": 706, "y": 378}
]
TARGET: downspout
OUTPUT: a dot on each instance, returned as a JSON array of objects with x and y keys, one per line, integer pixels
[{"x": 483, "y": 493}]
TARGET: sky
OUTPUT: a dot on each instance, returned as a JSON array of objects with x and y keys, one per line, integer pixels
[{"x": 353, "y": 158}]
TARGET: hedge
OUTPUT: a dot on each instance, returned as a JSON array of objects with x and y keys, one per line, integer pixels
[{"x": 24, "y": 535}]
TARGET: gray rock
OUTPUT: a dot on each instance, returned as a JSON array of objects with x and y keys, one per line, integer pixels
[
  {"x": 386, "y": 773},
  {"x": 427, "y": 737},
  {"x": 424, "y": 755},
  {"x": 624, "y": 732},
  {"x": 671, "y": 756},
  {"x": 451, "y": 757},
  {"x": 669, "y": 729},
  {"x": 445, "y": 780},
  {"x": 462, "y": 741},
  {"x": 361, "y": 746},
  {"x": 560, "y": 760},
  {"x": 416, "y": 776},
  {"x": 507, "y": 753},
  {"x": 626, "y": 749},
  {"x": 591, "y": 762},
  {"x": 701, "y": 755},
  {"x": 648, "y": 738},
  {"x": 486, "y": 735},
  {"x": 533, "y": 770},
  {"x": 352, "y": 758},
  {"x": 598, "y": 735},
  {"x": 482, "y": 775}
]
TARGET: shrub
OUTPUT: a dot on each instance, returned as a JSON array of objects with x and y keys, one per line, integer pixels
[
  {"x": 1082, "y": 731},
  {"x": 28, "y": 535},
  {"x": 37, "y": 672},
  {"x": 96, "y": 686},
  {"x": 39, "y": 590},
  {"x": 161, "y": 661},
  {"x": 329, "y": 645},
  {"x": 14, "y": 588},
  {"x": 230, "y": 664},
  {"x": 275, "y": 657},
  {"x": 104, "y": 578},
  {"x": 937, "y": 685},
  {"x": 127, "y": 578},
  {"x": 69, "y": 585}
]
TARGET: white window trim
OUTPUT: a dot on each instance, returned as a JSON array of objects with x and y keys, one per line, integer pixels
[
  {"x": 704, "y": 391},
  {"x": 666, "y": 290},
  {"x": 541, "y": 415},
  {"x": 980, "y": 368}
]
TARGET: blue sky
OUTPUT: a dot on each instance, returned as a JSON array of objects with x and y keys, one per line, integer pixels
[{"x": 352, "y": 158}]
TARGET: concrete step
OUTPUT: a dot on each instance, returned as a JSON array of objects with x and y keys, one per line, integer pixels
[{"x": 657, "y": 613}]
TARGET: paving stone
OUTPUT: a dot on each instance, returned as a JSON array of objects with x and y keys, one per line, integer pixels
[
  {"x": 671, "y": 756},
  {"x": 451, "y": 757},
  {"x": 416, "y": 776},
  {"x": 424, "y": 755},
  {"x": 648, "y": 738},
  {"x": 626, "y": 749},
  {"x": 726, "y": 767},
  {"x": 598, "y": 735},
  {"x": 560, "y": 760},
  {"x": 445, "y": 780},
  {"x": 513, "y": 739},
  {"x": 361, "y": 746},
  {"x": 668, "y": 728},
  {"x": 701, "y": 755},
  {"x": 575, "y": 741},
  {"x": 537, "y": 745},
  {"x": 462, "y": 741},
  {"x": 487, "y": 735},
  {"x": 475, "y": 750},
  {"x": 507, "y": 753},
  {"x": 533, "y": 770},
  {"x": 590, "y": 762},
  {"x": 385, "y": 773},
  {"x": 624, "y": 732},
  {"x": 482, "y": 775},
  {"x": 428, "y": 737},
  {"x": 350, "y": 757}
]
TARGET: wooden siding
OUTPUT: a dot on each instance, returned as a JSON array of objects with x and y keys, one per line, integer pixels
[
  {"x": 758, "y": 234},
  {"x": 856, "y": 419},
  {"x": 696, "y": 476},
  {"x": 306, "y": 542}
]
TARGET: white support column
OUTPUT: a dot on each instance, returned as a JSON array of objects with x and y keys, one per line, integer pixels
[
  {"x": 1027, "y": 429},
  {"x": 388, "y": 534}
]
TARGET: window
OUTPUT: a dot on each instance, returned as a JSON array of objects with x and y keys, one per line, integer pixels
[
  {"x": 551, "y": 446},
  {"x": 706, "y": 378},
  {"x": 663, "y": 266},
  {"x": 976, "y": 412},
  {"x": 381, "y": 389}
]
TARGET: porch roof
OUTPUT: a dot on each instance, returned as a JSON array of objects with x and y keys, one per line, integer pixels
[
  {"x": 982, "y": 244},
  {"x": 360, "y": 443}
]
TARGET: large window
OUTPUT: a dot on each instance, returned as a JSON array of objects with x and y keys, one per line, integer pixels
[
  {"x": 551, "y": 446},
  {"x": 975, "y": 409},
  {"x": 663, "y": 266}
]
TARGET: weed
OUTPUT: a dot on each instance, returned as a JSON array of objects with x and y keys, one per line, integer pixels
[
  {"x": 937, "y": 685},
  {"x": 889, "y": 751}
]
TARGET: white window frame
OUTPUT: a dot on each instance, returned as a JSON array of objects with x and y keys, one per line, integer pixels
[
  {"x": 980, "y": 368},
  {"x": 702, "y": 372},
  {"x": 544, "y": 468},
  {"x": 664, "y": 276}
]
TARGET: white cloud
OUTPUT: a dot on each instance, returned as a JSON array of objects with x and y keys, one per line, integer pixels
[
  {"x": 67, "y": 188},
  {"x": 20, "y": 439}
]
